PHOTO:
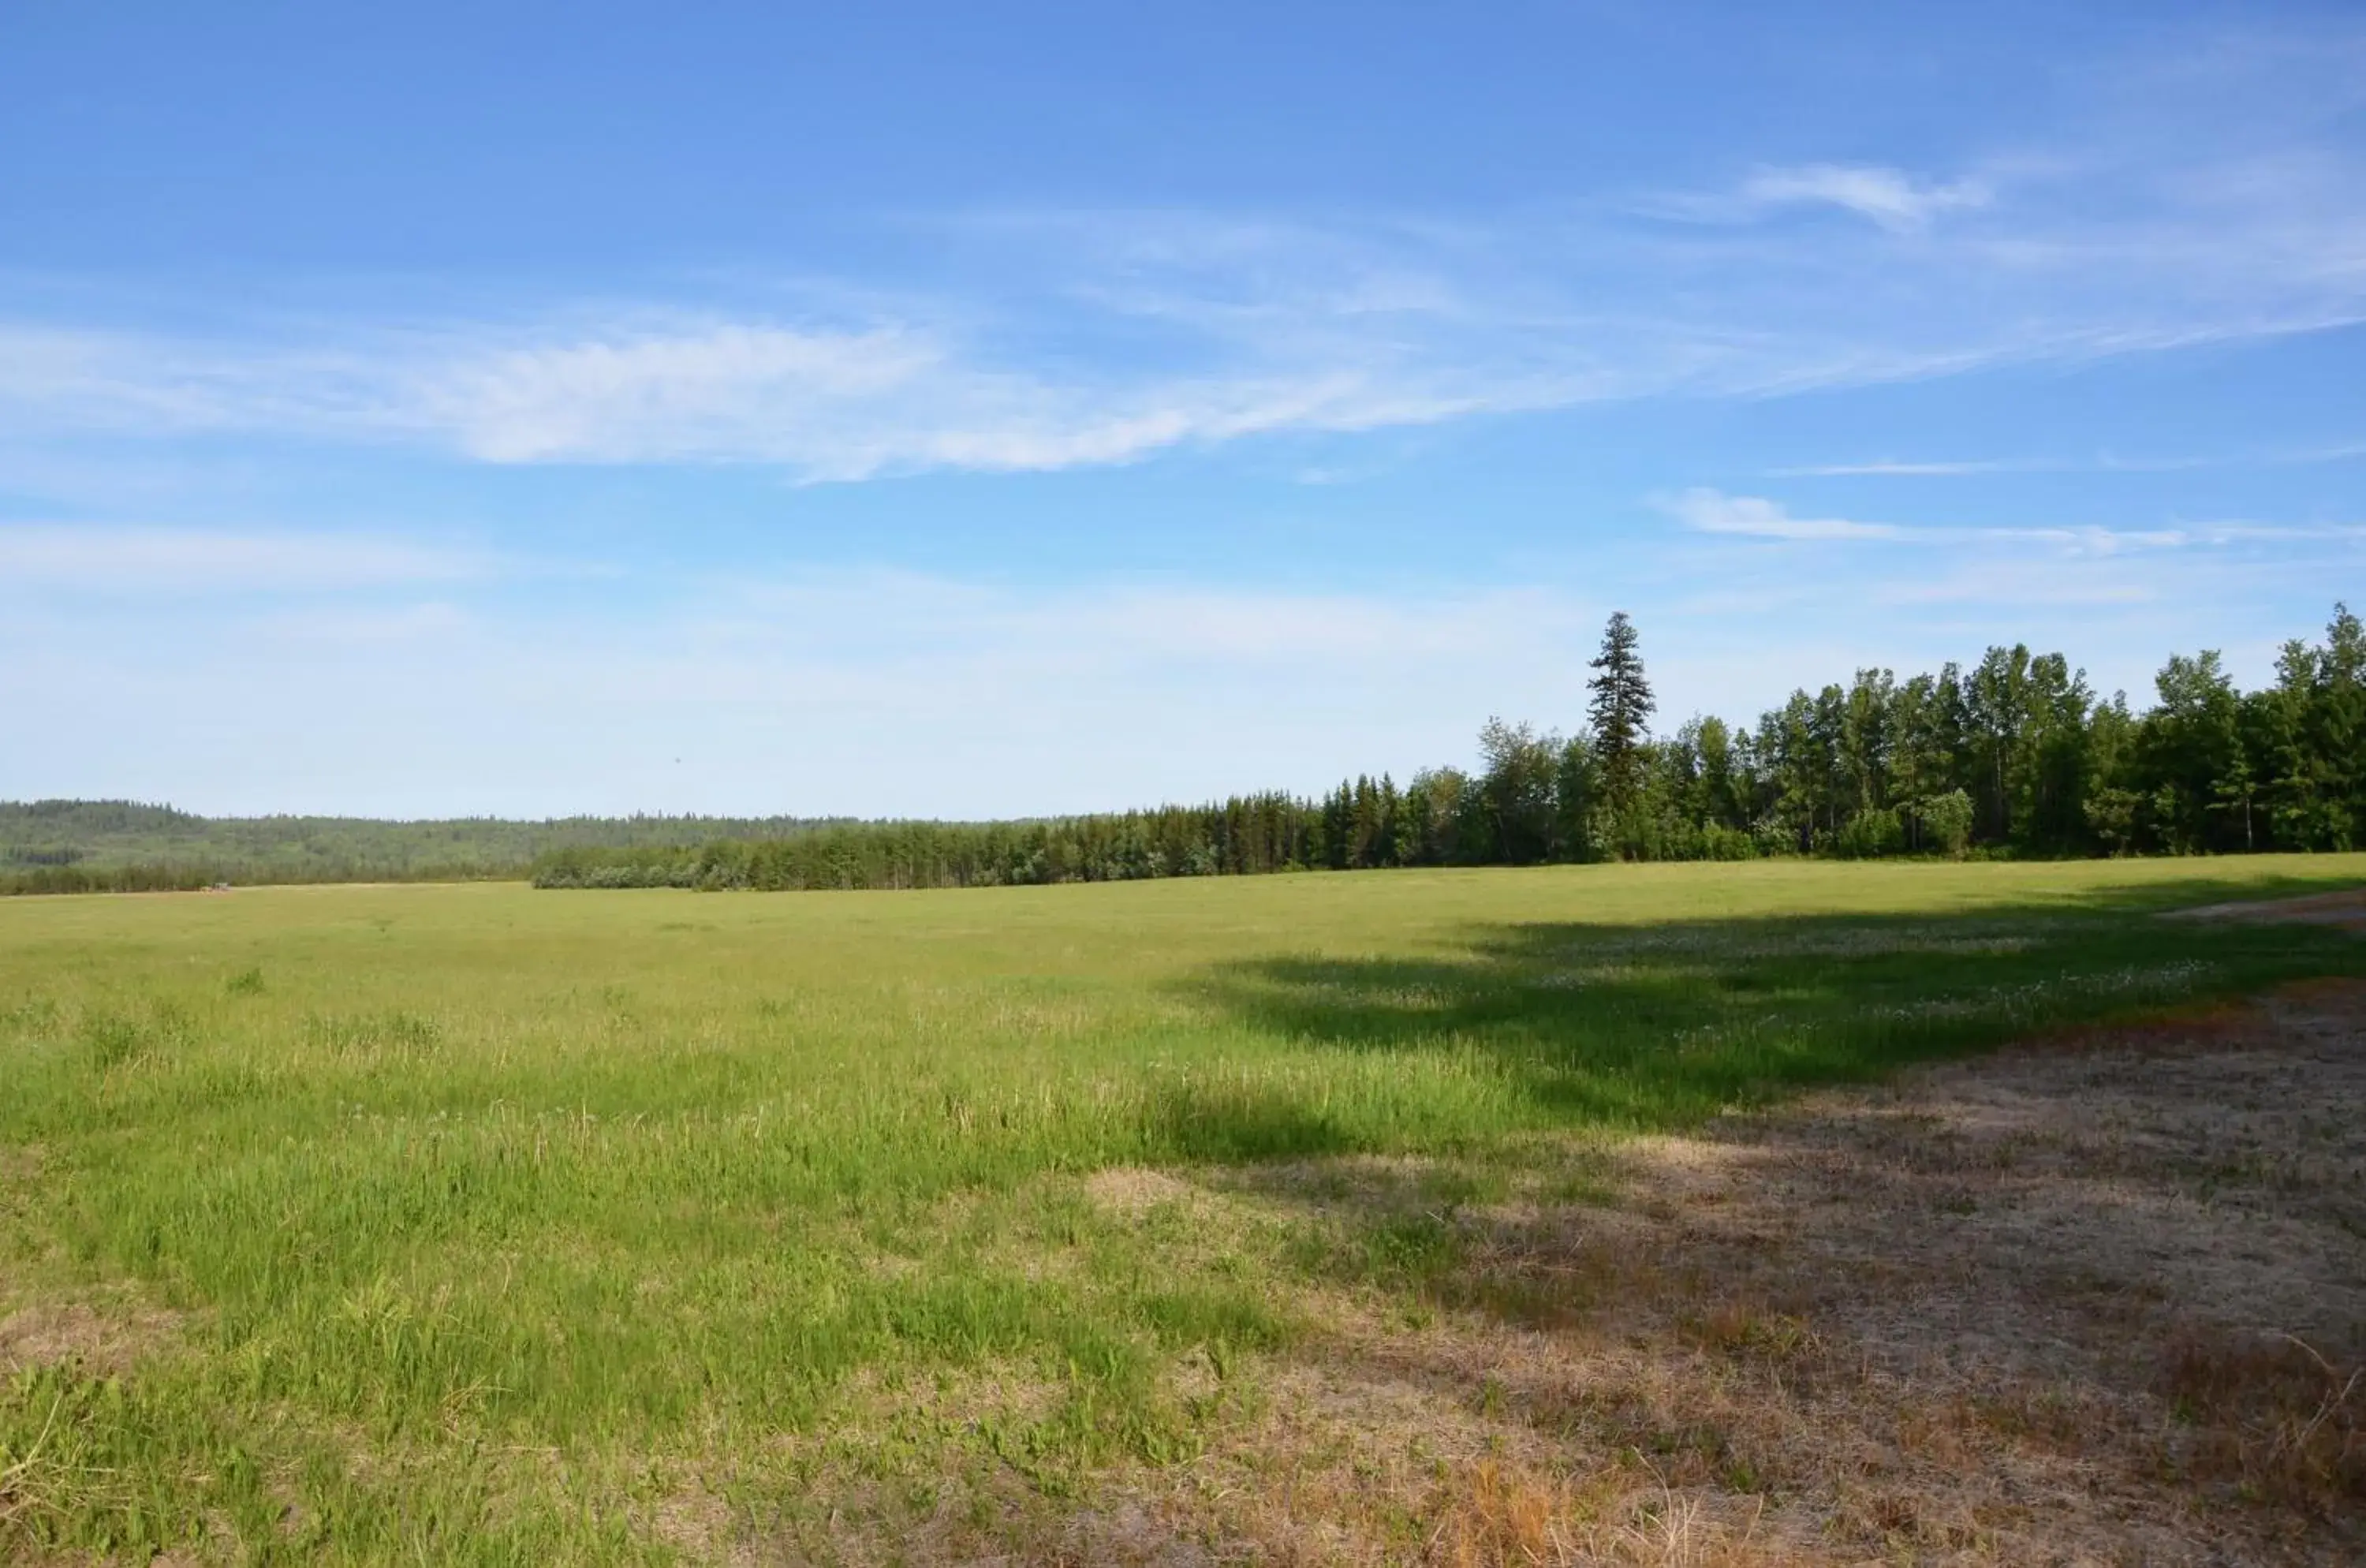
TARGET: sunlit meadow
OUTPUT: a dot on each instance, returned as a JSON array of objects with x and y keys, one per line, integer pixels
[{"x": 478, "y": 1223}]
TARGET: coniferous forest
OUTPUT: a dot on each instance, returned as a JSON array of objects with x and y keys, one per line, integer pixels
[{"x": 2015, "y": 755}]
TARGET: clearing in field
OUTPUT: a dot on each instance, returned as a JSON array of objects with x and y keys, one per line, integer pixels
[{"x": 1607, "y": 1214}]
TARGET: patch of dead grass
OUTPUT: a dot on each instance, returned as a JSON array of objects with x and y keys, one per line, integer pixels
[
  {"x": 2274, "y": 1419},
  {"x": 2089, "y": 1301},
  {"x": 102, "y": 1338},
  {"x": 1133, "y": 1191}
]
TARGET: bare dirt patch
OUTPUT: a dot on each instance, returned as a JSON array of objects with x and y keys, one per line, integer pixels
[
  {"x": 2094, "y": 1300},
  {"x": 2345, "y": 909},
  {"x": 100, "y": 1339},
  {"x": 1133, "y": 1191},
  {"x": 699, "y": 1525}
]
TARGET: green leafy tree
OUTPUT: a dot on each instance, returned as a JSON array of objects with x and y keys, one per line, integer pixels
[
  {"x": 1721, "y": 799},
  {"x": 1578, "y": 809},
  {"x": 1416, "y": 823},
  {"x": 2309, "y": 729},
  {"x": 1995, "y": 702},
  {"x": 2113, "y": 811},
  {"x": 2052, "y": 769},
  {"x": 1790, "y": 748},
  {"x": 2186, "y": 745},
  {"x": 1517, "y": 787},
  {"x": 1868, "y": 739},
  {"x": 1948, "y": 820}
]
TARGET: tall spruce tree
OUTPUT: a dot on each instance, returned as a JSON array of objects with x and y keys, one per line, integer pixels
[{"x": 1620, "y": 712}]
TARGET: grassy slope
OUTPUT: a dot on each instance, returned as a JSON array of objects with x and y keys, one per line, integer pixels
[{"x": 482, "y": 1217}]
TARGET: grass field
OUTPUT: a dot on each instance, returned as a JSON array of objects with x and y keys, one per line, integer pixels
[{"x": 472, "y": 1223}]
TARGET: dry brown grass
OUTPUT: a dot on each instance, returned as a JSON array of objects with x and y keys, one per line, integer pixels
[
  {"x": 2274, "y": 1419},
  {"x": 104, "y": 1337},
  {"x": 2098, "y": 1300},
  {"x": 1134, "y": 1191}
]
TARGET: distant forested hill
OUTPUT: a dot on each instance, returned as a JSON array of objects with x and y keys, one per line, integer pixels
[{"x": 111, "y": 845}]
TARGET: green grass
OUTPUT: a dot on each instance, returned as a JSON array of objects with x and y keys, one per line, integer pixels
[{"x": 485, "y": 1221}]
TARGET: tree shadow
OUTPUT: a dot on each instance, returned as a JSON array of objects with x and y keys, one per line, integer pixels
[
  {"x": 1239, "y": 1124},
  {"x": 2012, "y": 1244},
  {"x": 2139, "y": 1259},
  {"x": 1657, "y": 1025}
]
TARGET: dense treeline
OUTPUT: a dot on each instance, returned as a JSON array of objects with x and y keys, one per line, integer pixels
[
  {"x": 184, "y": 877},
  {"x": 1246, "y": 834},
  {"x": 107, "y": 846},
  {"x": 2015, "y": 755}
]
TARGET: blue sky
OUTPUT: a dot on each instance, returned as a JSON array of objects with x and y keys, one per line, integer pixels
[{"x": 970, "y": 411}]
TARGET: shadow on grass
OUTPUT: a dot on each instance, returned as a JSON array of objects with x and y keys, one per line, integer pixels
[
  {"x": 1787, "y": 1261},
  {"x": 2012, "y": 1249},
  {"x": 1653, "y": 1026}
]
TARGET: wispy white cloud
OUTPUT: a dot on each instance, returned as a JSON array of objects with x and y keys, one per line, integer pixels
[
  {"x": 838, "y": 405},
  {"x": 115, "y": 559},
  {"x": 1157, "y": 337},
  {"x": 2016, "y": 570},
  {"x": 2103, "y": 463},
  {"x": 2091, "y": 540},
  {"x": 1709, "y": 510},
  {"x": 826, "y": 402},
  {"x": 1889, "y": 467},
  {"x": 1890, "y": 198},
  {"x": 1713, "y": 511},
  {"x": 144, "y": 383},
  {"x": 1046, "y": 341}
]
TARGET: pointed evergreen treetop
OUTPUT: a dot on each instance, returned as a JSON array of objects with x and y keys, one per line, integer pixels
[{"x": 1621, "y": 710}]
